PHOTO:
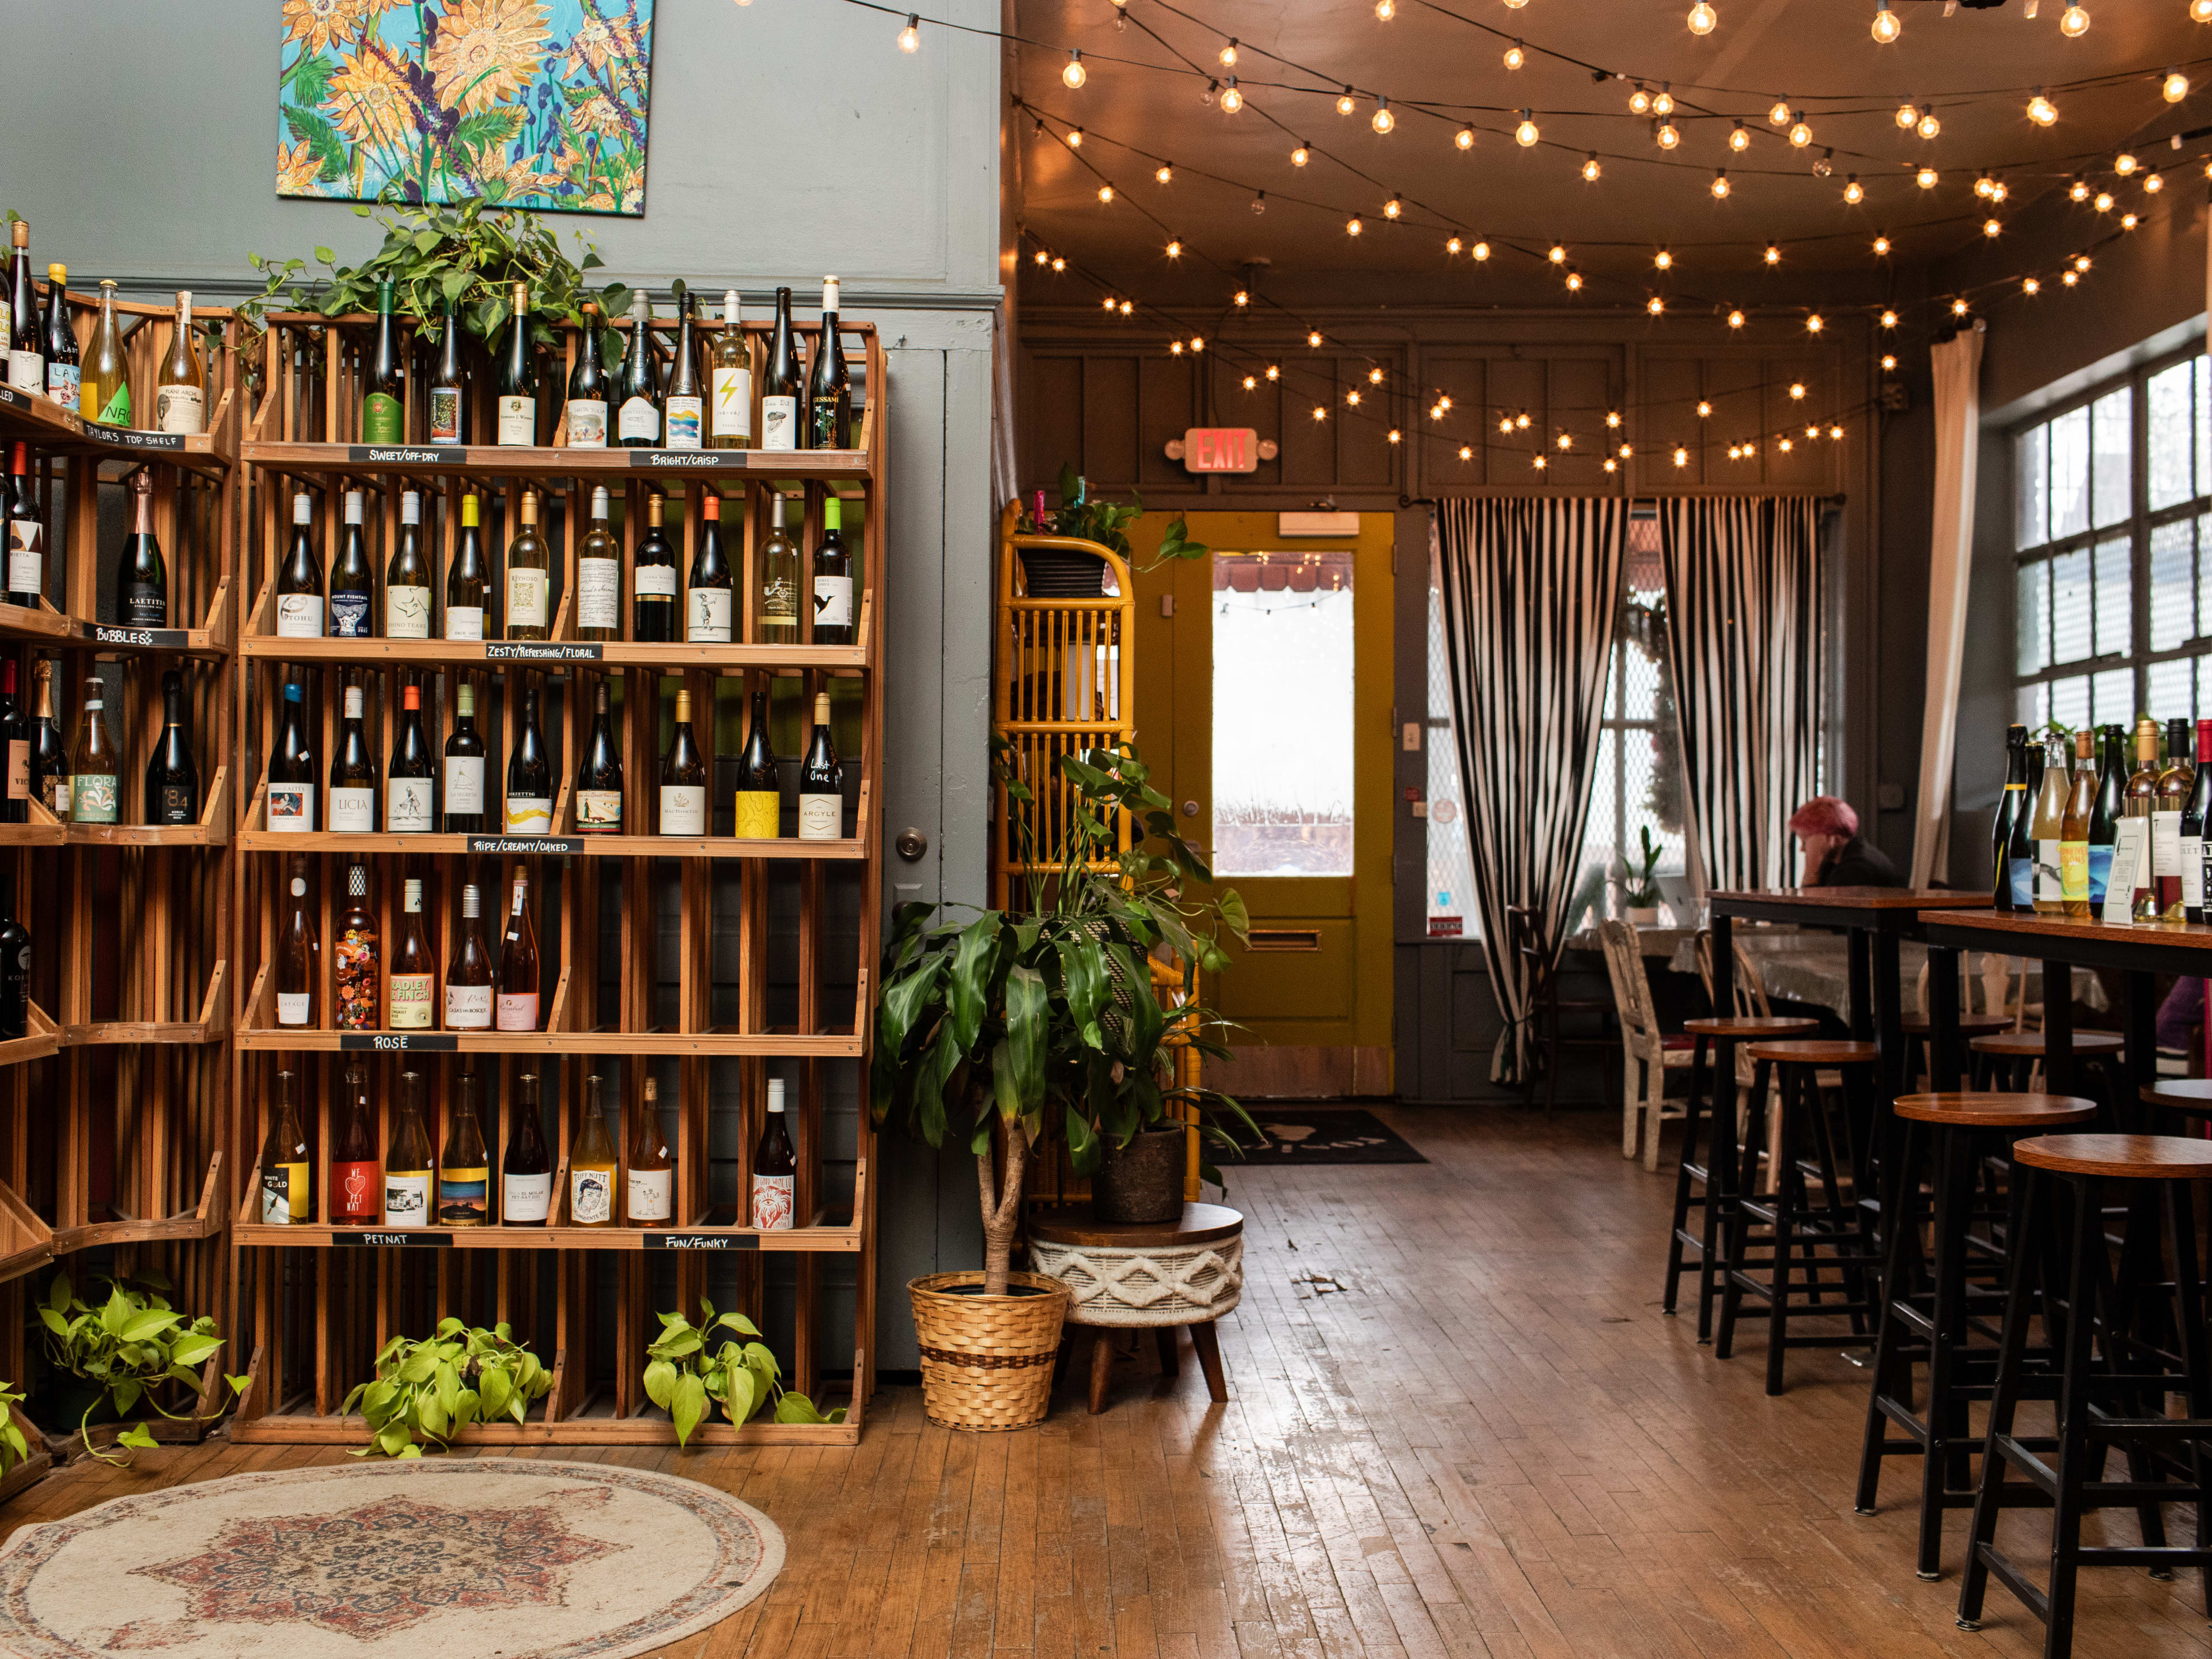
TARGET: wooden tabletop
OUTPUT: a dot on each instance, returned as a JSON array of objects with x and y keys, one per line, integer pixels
[
  {"x": 1071, "y": 1223},
  {"x": 2189, "y": 935},
  {"x": 1859, "y": 898}
]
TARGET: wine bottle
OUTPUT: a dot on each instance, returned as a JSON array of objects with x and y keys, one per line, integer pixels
[
  {"x": 517, "y": 375},
  {"x": 65, "y": 374},
  {"x": 96, "y": 797},
  {"x": 408, "y": 1174},
  {"x": 833, "y": 577},
  {"x": 598, "y": 577},
  {"x": 180, "y": 388},
  {"x": 684, "y": 410},
  {"x": 383, "y": 406},
  {"x": 2194, "y": 817},
  {"x": 468, "y": 580},
  {"x": 26, "y": 534},
  {"x": 780, "y": 384},
  {"x": 638, "y": 423},
  {"x": 528, "y": 777},
  {"x": 525, "y": 1178},
  {"x": 2011, "y": 806},
  {"x": 464, "y": 768},
  {"x": 103, "y": 394},
  {"x": 407, "y": 578},
  {"x": 410, "y": 787},
  {"x": 354, "y": 957},
  {"x": 356, "y": 1200},
  {"x": 591, "y": 1166},
  {"x": 2175, "y": 785},
  {"x": 14, "y": 975},
  {"x": 299, "y": 951},
  {"x": 2074, "y": 834},
  {"x": 683, "y": 778},
  {"x": 651, "y": 1185},
  {"x": 469, "y": 975},
  {"x": 353, "y": 580},
  {"x": 2105, "y": 816},
  {"x": 141, "y": 577},
  {"x": 414, "y": 969},
  {"x": 516, "y": 982},
  {"x": 353, "y": 772},
  {"x": 300, "y": 579},
  {"x": 708, "y": 593},
  {"x": 27, "y": 338},
  {"x": 776, "y": 613},
  {"x": 465, "y": 1167},
  {"x": 449, "y": 389},
  {"x": 49, "y": 772},
  {"x": 2143, "y": 803},
  {"x": 654, "y": 562},
  {"x": 291, "y": 769},
  {"x": 821, "y": 781},
  {"x": 759, "y": 815},
  {"x": 173, "y": 781},
  {"x": 730, "y": 381},
  {"x": 529, "y": 590},
  {"x": 829, "y": 387},
  {"x": 776, "y": 1168},
  {"x": 2048, "y": 828},
  {"x": 287, "y": 1187},
  {"x": 588, "y": 387},
  {"x": 599, "y": 778},
  {"x": 15, "y": 748}
]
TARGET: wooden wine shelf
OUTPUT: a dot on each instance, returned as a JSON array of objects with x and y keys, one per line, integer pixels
[
  {"x": 602, "y": 847},
  {"x": 328, "y": 462},
  {"x": 41, "y": 1038},
  {"x": 212, "y": 1026},
  {"x": 51, "y": 429},
  {"x": 27, "y": 1243},
  {"x": 203, "y": 1220},
  {"x": 775, "y": 1045}
]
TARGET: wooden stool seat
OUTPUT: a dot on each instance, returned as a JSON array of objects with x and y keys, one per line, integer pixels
[
  {"x": 2192, "y": 1095},
  {"x": 1921, "y": 1025},
  {"x": 2029, "y": 1045},
  {"x": 2141, "y": 1158},
  {"x": 1156, "y": 1275},
  {"x": 1983, "y": 1109},
  {"x": 1817, "y": 1051},
  {"x": 1744, "y": 1029}
]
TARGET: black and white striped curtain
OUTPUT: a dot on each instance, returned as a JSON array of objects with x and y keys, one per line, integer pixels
[
  {"x": 1743, "y": 622},
  {"x": 1531, "y": 595}
]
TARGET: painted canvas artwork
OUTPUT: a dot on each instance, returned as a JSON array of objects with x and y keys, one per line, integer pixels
[{"x": 536, "y": 103}]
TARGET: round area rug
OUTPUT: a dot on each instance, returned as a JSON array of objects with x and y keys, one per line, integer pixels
[{"x": 483, "y": 1556}]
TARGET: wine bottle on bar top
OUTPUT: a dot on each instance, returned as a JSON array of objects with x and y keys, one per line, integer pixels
[
  {"x": 354, "y": 957},
  {"x": 782, "y": 385},
  {"x": 821, "y": 781},
  {"x": 599, "y": 779},
  {"x": 2105, "y": 817},
  {"x": 464, "y": 768},
  {"x": 352, "y": 607},
  {"x": 173, "y": 780},
  {"x": 2048, "y": 829},
  {"x": 383, "y": 410},
  {"x": 651, "y": 1192},
  {"x": 833, "y": 577},
  {"x": 526, "y": 1179},
  {"x": 414, "y": 993},
  {"x": 529, "y": 581},
  {"x": 2175, "y": 784},
  {"x": 686, "y": 407},
  {"x": 759, "y": 815},
  {"x": 64, "y": 371},
  {"x": 141, "y": 577},
  {"x": 299, "y": 578},
  {"x": 829, "y": 387},
  {"x": 407, "y": 578},
  {"x": 465, "y": 1169},
  {"x": 353, "y": 772},
  {"x": 449, "y": 389},
  {"x": 518, "y": 376},
  {"x": 409, "y": 1172},
  {"x": 708, "y": 592},
  {"x": 591, "y": 1165},
  {"x": 2143, "y": 803},
  {"x": 468, "y": 580},
  {"x": 27, "y": 337},
  {"x": 2012, "y": 806},
  {"x": 2194, "y": 817},
  {"x": 638, "y": 386},
  {"x": 355, "y": 1198},
  {"x": 26, "y": 534},
  {"x": 287, "y": 1187},
  {"x": 588, "y": 385},
  {"x": 469, "y": 975},
  {"x": 410, "y": 788},
  {"x": 292, "y": 768},
  {"x": 730, "y": 375},
  {"x": 103, "y": 392},
  {"x": 598, "y": 576},
  {"x": 179, "y": 390}
]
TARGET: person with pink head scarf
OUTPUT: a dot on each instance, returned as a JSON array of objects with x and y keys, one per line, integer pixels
[{"x": 1836, "y": 855}]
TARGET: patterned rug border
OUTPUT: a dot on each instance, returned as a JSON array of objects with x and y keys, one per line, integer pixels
[{"x": 708, "y": 1604}]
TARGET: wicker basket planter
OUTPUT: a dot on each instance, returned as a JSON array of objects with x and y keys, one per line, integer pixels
[{"x": 986, "y": 1360}]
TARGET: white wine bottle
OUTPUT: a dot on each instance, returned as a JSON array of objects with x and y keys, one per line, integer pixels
[
  {"x": 683, "y": 778},
  {"x": 651, "y": 1188},
  {"x": 598, "y": 577},
  {"x": 409, "y": 1172},
  {"x": 591, "y": 1166},
  {"x": 528, "y": 592},
  {"x": 179, "y": 390}
]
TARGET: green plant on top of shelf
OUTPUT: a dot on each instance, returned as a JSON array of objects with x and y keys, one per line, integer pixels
[
  {"x": 428, "y": 1389},
  {"x": 1107, "y": 523},
  {"x": 128, "y": 1346},
  {"x": 684, "y": 1377}
]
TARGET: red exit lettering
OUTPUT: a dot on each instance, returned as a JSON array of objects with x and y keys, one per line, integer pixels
[{"x": 1221, "y": 449}]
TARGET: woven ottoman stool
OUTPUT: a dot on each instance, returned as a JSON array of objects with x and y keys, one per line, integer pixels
[{"x": 1157, "y": 1276}]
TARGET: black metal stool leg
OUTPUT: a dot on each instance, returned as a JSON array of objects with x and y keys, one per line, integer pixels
[
  {"x": 1789, "y": 1207},
  {"x": 1893, "y": 1371},
  {"x": 1692, "y": 1111},
  {"x": 2012, "y": 1348},
  {"x": 1738, "y": 1225}
]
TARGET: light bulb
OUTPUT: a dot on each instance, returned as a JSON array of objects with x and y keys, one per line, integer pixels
[
  {"x": 1386, "y": 9},
  {"x": 1574, "y": 282},
  {"x": 1626, "y": 449},
  {"x": 2031, "y": 286},
  {"x": 1274, "y": 373},
  {"x": 1109, "y": 302},
  {"x": 1197, "y": 343},
  {"x": 1925, "y": 178},
  {"x": 1663, "y": 260},
  {"x": 1681, "y": 456},
  {"x": 1889, "y": 362},
  {"x": 1540, "y": 463},
  {"x": 2104, "y": 201},
  {"x": 1613, "y": 419},
  {"x": 1393, "y": 434},
  {"x": 1059, "y": 263},
  {"x": 1175, "y": 348},
  {"x": 1175, "y": 247},
  {"x": 1705, "y": 409},
  {"x": 1992, "y": 228},
  {"x": 1375, "y": 377},
  {"x": 1557, "y": 255},
  {"x": 1702, "y": 18},
  {"x": 1482, "y": 251},
  {"x": 1075, "y": 137},
  {"x": 1504, "y": 422},
  {"x": 2068, "y": 277},
  {"x": 2124, "y": 164},
  {"x": 1166, "y": 172},
  {"x": 2080, "y": 261},
  {"x": 1800, "y": 135},
  {"x": 1466, "y": 451},
  {"x": 1815, "y": 324},
  {"x": 1320, "y": 412},
  {"x": 1346, "y": 103},
  {"x": 909, "y": 38},
  {"x": 1928, "y": 126},
  {"x": 1773, "y": 254},
  {"x": 2200, "y": 11},
  {"x": 2176, "y": 86},
  {"x": 2128, "y": 221},
  {"x": 1300, "y": 156},
  {"x": 1882, "y": 245},
  {"x": 1526, "y": 133},
  {"x": 2080, "y": 190},
  {"x": 1566, "y": 441},
  {"x": 1383, "y": 120},
  {"x": 1231, "y": 100},
  {"x": 1907, "y": 114},
  {"x": 1515, "y": 56},
  {"x": 1854, "y": 191},
  {"x": 1452, "y": 245},
  {"x": 1639, "y": 101},
  {"x": 1105, "y": 193},
  {"x": 1825, "y": 165},
  {"x": 1043, "y": 257},
  {"x": 1074, "y": 75},
  {"x": 2041, "y": 109},
  {"x": 1228, "y": 54},
  {"x": 1212, "y": 91},
  {"x": 1887, "y": 28},
  {"x": 1739, "y": 139},
  {"x": 1464, "y": 139},
  {"x": 1242, "y": 297},
  {"x": 1721, "y": 185},
  {"x": 1957, "y": 308},
  {"x": 1251, "y": 383},
  {"x": 1353, "y": 226},
  {"x": 2074, "y": 22},
  {"x": 2154, "y": 184},
  {"x": 1889, "y": 319},
  {"x": 1668, "y": 135},
  {"x": 1663, "y": 105},
  {"x": 1655, "y": 304},
  {"x": 1591, "y": 170},
  {"x": 1779, "y": 115},
  {"x": 1785, "y": 445},
  {"x": 1392, "y": 208},
  {"x": 1313, "y": 338}
]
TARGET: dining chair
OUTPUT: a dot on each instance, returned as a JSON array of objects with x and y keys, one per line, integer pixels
[
  {"x": 1540, "y": 983},
  {"x": 1647, "y": 1053}
]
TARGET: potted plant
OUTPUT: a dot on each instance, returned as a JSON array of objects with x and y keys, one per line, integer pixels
[
  {"x": 684, "y": 1377},
  {"x": 1000, "y": 1031},
  {"x": 427, "y": 1390},
  {"x": 1639, "y": 889},
  {"x": 127, "y": 1349}
]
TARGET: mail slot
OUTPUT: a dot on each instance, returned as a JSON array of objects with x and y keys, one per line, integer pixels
[{"x": 1284, "y": 938}]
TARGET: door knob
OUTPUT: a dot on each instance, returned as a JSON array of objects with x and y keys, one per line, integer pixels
[
  {"x": 1190, "y": 809},
  {"x": 911, "y": 844}
]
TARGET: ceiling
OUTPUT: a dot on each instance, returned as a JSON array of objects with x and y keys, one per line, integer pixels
[{"x": 1440, "y": 72}]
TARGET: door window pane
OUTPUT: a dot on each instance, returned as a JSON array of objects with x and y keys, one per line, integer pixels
[
  {"x": 2113, "y": 468},
  {"x": 2172, "y": 584},
  {"x": 2069, "y": 474},
  {"x": 2173, "y": 434},
  {"x": 2030, "y": 456}
]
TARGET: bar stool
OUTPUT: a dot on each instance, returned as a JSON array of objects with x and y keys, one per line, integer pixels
[
  {"x": 2187, "y": 1097},
  {"x": 2010, "y": 1057},
  {"x": 2167, "y": 1455},
  {"x": 1796, "y": 1234},
  {"x": 1711, "y": 1170},
  {"x": 1924, "y": 1317},
  {"x": 1920, "y": 1031}
]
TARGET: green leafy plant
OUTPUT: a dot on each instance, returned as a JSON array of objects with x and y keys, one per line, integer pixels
[
  {"x": 129, "y": 1346},
  {"x": 1106, "y": 524},
  {"x": 15, "y": 1448},
  {"x": 1641, "y": 890},
  {"x": 1005, "y": 1029},
  {"x": 426, "y": 1391},
  {"x": 684, "y": 1375}
]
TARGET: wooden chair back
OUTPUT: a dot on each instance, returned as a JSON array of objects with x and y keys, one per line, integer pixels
[
  {"x": 1631, "y": 990},
  {"x": 1750, "y": 989}
]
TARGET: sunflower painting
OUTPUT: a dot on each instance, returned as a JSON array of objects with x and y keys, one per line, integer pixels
[{"x": 527, "y": 103}]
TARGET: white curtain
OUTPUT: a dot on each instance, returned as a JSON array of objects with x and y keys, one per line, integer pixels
[{"x": 1957, "y": 364}]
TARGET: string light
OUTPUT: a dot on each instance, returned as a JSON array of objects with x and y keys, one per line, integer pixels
[
  {"x": 1540, "y": 463},
  {"x": 1250, "y": 383},
  {"x": 1352, "y": 398},
  {"x": 1231, "y": 99},
  {"x": 1887, "y": 28},
  {"x": 2031, "y": 286},
  {"x": 1797, "y": 391},
  {"x": 1702, "y": 18},
  {"x": 1166, "y": 172},
  {"x": 1105, "y": 193},
  {"x": 1504, "y": 422},
  {"x": 1520, "y": 420},
  {"x": 1393, "y": 208},
  {"x": 1451, "y": 245},
  {"x": 1482, "y": 251},
  {"x": 1591, "y": 170},
  {"x": 1526, "y": 133},
  {"x": 1466, "y": 452},
  {"x": 1703, "y": 408},
  {"x": 1301, "y": 156},
  {"x": 1321, "y": 411},
  {"x": 1663, "y": 104},
  {"x": 1515, "y": 56},
  {"x": 1613, "y": 419},
  {"x": 1800, "y": 135},
  {"x": 2074, "y": 22},
  {"x": 1228, "y": 54},
  {"x": 2124, "y": 164},
  {"x": 1574, "y": 282},
  {"x": 1779, "y": 115},
  {"x": 1639, "y": 101},
  {"x": 1785, "y": 445},
  {"x": 2104, "y": 201},
  {"x": 1375, "y": 377},
  {"x": 1773, "y": 254},
  {"x": 1175, "y": 348},
  {"x": 1241, "y": 299},
  {"x": 1907, "y": 114},
  {"x": 1739, "y": 139},
  {"x": 1626, "y": 449},
  {"x": 1059, "y": 263},
  {"x": 1882, "y": 245},
  {"x": 1735, "y": 319},
  {"x": 1175, "y": 247},
  {"x": 1815, "y": 324},
  {"x": 2154, "y": 184},
  {"x": 2082, "y": 262},
  {"x": 1656, "y": 305},
  {"x": 1991, "y": 228},
  {"x": 1928, "y": 126},
  {"x": 1854, "y": 191},
  {"x": 1075, "y": 137},
  {"x": 1346, "y": 103},
  {"x": 1464, "y": 139},
  {"x": 2069, "y": 277},
  {"x": 1126, "y": 307},
  {"x": 1958, "y": 307},
  {"x": 1720, "y": 184},
  {"x": 1558, "y": 254},
  {"x": 2176, "y": 86},
  {"x": 1383, "y": 120},
  {"x": 2041, "y": 109},
  {"x": 1566, "y": 441},
  {"x": 2079, "y": 190},
  {"x": 1353, "y": 226},
  {"x": 1197, "y": 343},
  {"x": 1667, "y": 135},
  {"x": 1393, "y": 434},
  {"x": 1926, "y": 179},
  {"x": 1836, "y": 432},
  {"x": 1109, "y": 302},
  {"x": 2128, "y": 221},
  {"x": 1612, "y": 465},
  {"x": 1889, "y": 363},
  {"x": 1889, "y": 319},
  {"x": 1074, "y": 75},
  {"x": 1313, "y": 340},
  {"x": 909, "y": 38},
  {"x": 1274, "y": 373},
  {"x": 1663, "y": 260}
]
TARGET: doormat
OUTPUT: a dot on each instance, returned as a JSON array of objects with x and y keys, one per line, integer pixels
[
  {"x": 476, "y": 1555},
  {"x": 1326, "y": 1135}
]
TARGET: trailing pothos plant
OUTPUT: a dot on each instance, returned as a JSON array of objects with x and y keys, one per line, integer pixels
[
  {"x": 427, "y": 1389},
  {"x": 1107, "y": 523},
  {"x": 129, "y": 1345},
  {"x": 685, "y": 1378},
  {"x": 999, "y": 1029},
  {"x": 15, "y": 1448}
]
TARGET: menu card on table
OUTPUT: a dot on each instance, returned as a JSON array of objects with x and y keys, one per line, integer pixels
[{"x": 2129, "y": 853}]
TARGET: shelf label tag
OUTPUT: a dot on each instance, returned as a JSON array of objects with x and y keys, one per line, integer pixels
[
  {"x": 132, "y": 438},
  {"x": 556, "y": 651},
  {"x": 526, "y": 843},
  {"x": 392, "y": 455},
  {"x": 653, "y": 1241},
  {"x": 159, "y": 638},
  {"x": 689, "y": 460},
  {"x": 399, "y": 1042},
  {"x": 399, "y": 1238}
]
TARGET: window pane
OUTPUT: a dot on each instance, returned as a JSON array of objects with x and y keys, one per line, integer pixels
[
  {"x": 2068, "y": 704},
  {"x": 1639, "y": 672},
  {"x": 1592, "y": 899},
  {"x": 1282, "y": 716},
  {"x": 2173, "y": 434},
  {"x": 2069, "y": 606},
  {"x": 2170, "y": 687},
  {"x": 2114, "y": 465},
  {"x": 2030, "y": 456},
  {"x": 2069, "y": 474},
  {"x": 2112, "y": 696},
  {"x": 2172, "y": 584},
  {"x": 1451, "y": 871},
  {"x": 2202, "y": 373},
  {"x": 2115, "y": 597},
  {"x": 2032, "y": 617}
]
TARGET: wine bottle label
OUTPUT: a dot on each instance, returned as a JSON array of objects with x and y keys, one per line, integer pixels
[
  {"x": 833, "y": 602},
  {"x": 179, "y": 408},
  {"x": 411, "y": 1001},
  {"x": 682, "y": 809},
  {"x": 709, "y": 621},
  {"x": 599, "y": 593},
  {"x": 517, "y": 1012},
  {"x": 687, "y": 418},
  {"x": 145, "y": 606},
  {"x": 526, "y": 591},
  {"x": 588, "y": 423},
  {"x": 639, "y": 419},
  {"x": 518, "y": 420},
  {"x": 380, "y": 419},
  {"x": 286, "y": 1196},
  {"x": 298, "y": 617},
  {"x": 291, "y": 805},
  {"x": 464, "y": 783},
  {"x": 772, "y": 1201},
  {"x": 349, "y": 615},
  {"x": 28, "y": 369},
  {"x": 93, "y": 799},
  {"x": 778, "y": 424},
  {"x": 2166, "y": 844},
  {"x": 27, "y": 555},
  {"x": 19, "y": 769},
  {"x": 116, "y": 411},
  {"x": 2074, "y": 871},
  {"x": 464, "y": 622},
  {"x": 468, "y": 1007},
  {"x": 353, "y": 810},
  {"x": 463, "y": 1197},
  {"x": 656, "y": 581},
  {"x": 293, "y": 1007},
  {"x": 529, "y": 815},
  {"x": 2192, "y": 872},
  {"x": 2049, "y": 880},
  {"x": 408, "y": 804},
  {"x": 177, "y": 804},
  {"x": 354, "y": 961},
  {"x": 828, "y": 424},
  {"x": 354, "y": 1198},
  {"x": 407, "y": 613},
  {"x": 598, "y": 812},
  {"x": 407, "y": 1198},
  {"x": 780, "y": 601},
  {"x": 651, "y": 1195},
  {"x": 57, "y": 795},
  {"x": 2101, "y": 873},
  {"x": 2022, "y": 874},
  {"x": 821, "y": 817},
  {"x": 64, "y": 384},
  {"x": 733, "y": 403},
  {"x": 591, "y": 1196},
  {"x": 759, "y": 815},
  {"x": 445, "y": 414},
  {"x": 526, "y": 1197}
]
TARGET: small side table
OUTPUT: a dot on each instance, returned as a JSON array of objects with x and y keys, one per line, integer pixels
[{"x": 1159, "y": 1275}]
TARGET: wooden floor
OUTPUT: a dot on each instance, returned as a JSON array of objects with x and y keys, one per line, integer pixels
[{"x": 1460, "y": 1426}]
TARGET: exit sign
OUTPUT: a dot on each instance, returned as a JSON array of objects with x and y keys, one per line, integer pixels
[{"x": 1221, "y": 449}]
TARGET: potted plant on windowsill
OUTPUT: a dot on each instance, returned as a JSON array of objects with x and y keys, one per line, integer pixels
[
  {"x": 999, "y": 1031},
  {"x": 1639, "y": 887}
]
